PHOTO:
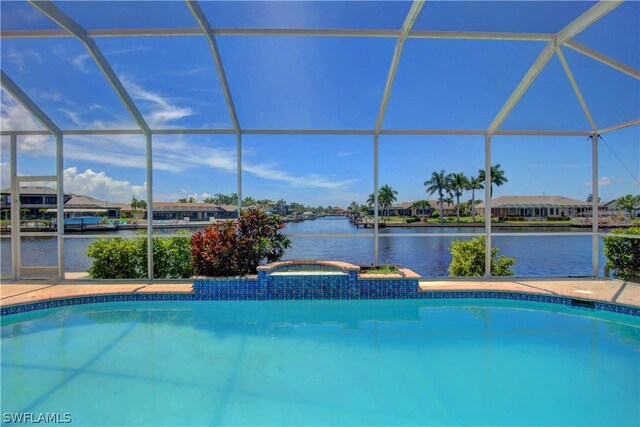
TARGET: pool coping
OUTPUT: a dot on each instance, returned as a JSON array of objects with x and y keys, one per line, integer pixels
[{"x": 600, "y": 294}]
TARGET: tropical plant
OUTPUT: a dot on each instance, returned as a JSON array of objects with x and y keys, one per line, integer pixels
[
  {"x": 474, "y": 183},
  {"x": 24, "y": 212},
  {"x": 497, "y": 176},
  {"x": 386, "y": 197},
  {"x": 628, "y": 203},
  {"x": 590, "y": 198},
  {"x": 468, "y": 259},
  {"x": 371, "y": 200},
  {"x": 134, "y": 203},
  {"x": 142, "y": 205},
  {"x": 209, "y": 200},
  {"x": 248, "y": 201},
  {"x": 232, "y": 248},
  {"x": 623, "y": 254},
  {"x": 437, "y": 183},
  {"x": 457, "y": 183}
]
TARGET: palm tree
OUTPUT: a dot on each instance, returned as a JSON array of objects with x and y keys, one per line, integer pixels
[
  {"x": 134, "y": 203},
  {"x": 590, "y": 198},
  {"x": 475, "y": 183},
  {"x": 386, "y": 197},
  {"x": 189, "y": 199},
  {"x": 457, "y": 184},
  {"x": 371, "y": 200},
  {"x": 437, "y": 183},
  {"x": 219, "y": 199},
  {"x": 142, "y": 204},
  {"x": 421, "y": 205},
  {"x": 497, "y": 176}
]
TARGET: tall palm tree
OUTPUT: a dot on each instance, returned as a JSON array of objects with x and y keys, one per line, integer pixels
[
  {"x": 475, "y": 183},
  {"x": 386, "y": 197},
  {"x": 497, "y": 176},
  {"x": 134, "y": 203},
  {"x": 437, "y": 183},
  {"x": 457, "y": 183},
  {"x": 142, "y": 205}
]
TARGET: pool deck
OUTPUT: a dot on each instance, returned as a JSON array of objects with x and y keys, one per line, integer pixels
[{"x": 603, "y": 290}]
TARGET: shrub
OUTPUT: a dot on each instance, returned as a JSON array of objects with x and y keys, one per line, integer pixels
[
  {"x": 435, "y": 214},
  {"x": 120, "y": 258},
  {"x": 468, "y": 259},
  {"x": 412, "y": 220},
  {"x": 233, "y": 248},
  {"x": 115, "y": 258},
  {"x": 623, "y": 254}
]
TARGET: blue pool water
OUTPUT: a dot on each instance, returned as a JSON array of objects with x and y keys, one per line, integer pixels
[{"x": 389, "y": 362}]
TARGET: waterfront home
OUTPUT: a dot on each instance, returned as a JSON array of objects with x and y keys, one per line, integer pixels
[
  {"x": 193, "y": 211},
  {"x": 339, "y": 211},
  {"x": 41, "y": 202},
  {"x": 536, "y": 207}
]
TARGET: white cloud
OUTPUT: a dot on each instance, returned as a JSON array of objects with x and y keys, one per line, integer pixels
[
  {"x": 80, "y": 62},
  {"x": 101, "y": 186},
  {"x": 47, "y": 95},
  {"x": 20, "y": 58},
  {"x": 311, "y": 180},
  {"x": 192, "y": 71},
  {"x": 162, "y": 110},
  {"x": 14, "y": 117},
  {"x": 608, "y": 181}
]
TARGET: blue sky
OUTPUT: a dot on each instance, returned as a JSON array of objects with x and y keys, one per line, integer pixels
[{"x": 323, "y": 83}]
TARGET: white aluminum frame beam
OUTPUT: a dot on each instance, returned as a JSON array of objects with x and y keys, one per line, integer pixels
[
  {"x": 397, "y": 132},
  {"x": 62, "y": 19},
  {"x": 206, "y": 28},
  {"x": 595, "y": 195},
  {"x": 288, "y": 32},
  {"x": 28, "y": 104},
  {"x": 594, "y": 54},
  {"x": 596, "y": 12},
  {"x": 15, "y": 209},
  {"x": 487, "y": 205},
  {"x": 576, "y": 89},
  {"x": 619, "y": 126},
  {"x": 410, "y": 19}
]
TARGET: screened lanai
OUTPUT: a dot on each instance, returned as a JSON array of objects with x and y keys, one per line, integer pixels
[{"x": 323, "y": 102}]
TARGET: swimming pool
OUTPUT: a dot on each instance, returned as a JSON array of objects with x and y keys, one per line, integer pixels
[{"x": 314, "y": 362}]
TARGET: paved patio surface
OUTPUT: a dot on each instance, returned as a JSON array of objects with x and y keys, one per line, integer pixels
[{"x": 611, "y": 291}]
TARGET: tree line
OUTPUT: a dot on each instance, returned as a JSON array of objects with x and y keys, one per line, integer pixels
[{"x": 448, "y": 186}]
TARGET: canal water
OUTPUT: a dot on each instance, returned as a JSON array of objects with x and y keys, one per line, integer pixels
[{"x": 428, "y": 256}]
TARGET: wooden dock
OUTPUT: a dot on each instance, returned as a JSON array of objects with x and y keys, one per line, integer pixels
[{"x": 369, "y": 224}]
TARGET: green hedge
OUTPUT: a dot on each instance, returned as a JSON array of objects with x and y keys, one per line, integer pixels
[
  {"x": 119, "y": 258},
  {"x": 623, "y": 254}
]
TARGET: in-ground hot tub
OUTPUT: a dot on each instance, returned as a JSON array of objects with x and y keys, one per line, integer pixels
[{"x": 304, "y": 279}]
